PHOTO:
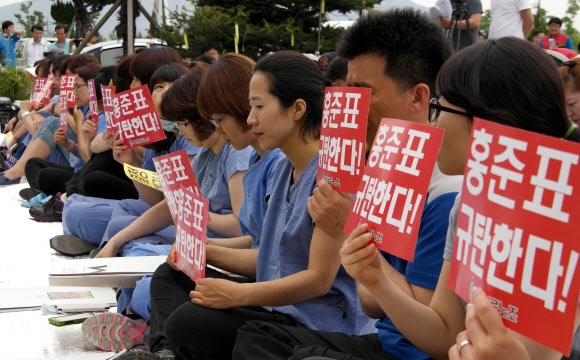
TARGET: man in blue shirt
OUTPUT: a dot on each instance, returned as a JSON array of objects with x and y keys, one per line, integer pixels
[{"x": 8, "y": 42}]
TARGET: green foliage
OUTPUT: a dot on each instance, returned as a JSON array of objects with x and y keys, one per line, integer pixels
[
  {"x": 30, "y": 18},
  {"x": 15, "y": 84},
  {"x": 485, "y": 22},
  {"x": 540, "y": 19},
  {"x": 263, "y": 26},
  {"x": 568, "y": 21},
  {"x": 62, "y": 12}
]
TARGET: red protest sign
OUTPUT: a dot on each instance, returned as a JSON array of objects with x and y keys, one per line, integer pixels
[
  {"x": 108, "y": 96},
  {"x": 139, "y": 123},
  {"x": 67, "y": 87},
  {"x": 516, "y": 230},
  {"x": 39, "y": 95},
  {"x": 93, "y": 104},
  {"x": 343, "y": 137},
  {"x": 393, "y": 189},
  {"x": 190, "y": 234},
  {"x": 174, "y": 171}
]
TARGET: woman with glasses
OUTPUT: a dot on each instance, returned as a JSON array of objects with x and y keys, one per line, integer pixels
[
  {"x": 489, "y": 80},
  {"x": 223, "y": 98},
  {"x": 43, "y": 144},
  {"x": 91, "y": 220},
  {"x": 218, "y": 169}
]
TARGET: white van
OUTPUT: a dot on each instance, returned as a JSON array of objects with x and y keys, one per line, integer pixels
[{"x": 110, "y": 52}]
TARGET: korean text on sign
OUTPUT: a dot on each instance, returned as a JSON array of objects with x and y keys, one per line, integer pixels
[
  {"x": 393, "y": 189},
  {"x": 67, "y": 88},
  {"x": 93, "y": 104},
  {"x": 41, "y": 87},
  {"x": 138, "y": 121},
  {"x": 108, "y": 95},
  {"x": 516, "y": 230},
  {"x": 343, "y": 137},
  {"x": 145, "y": 177},
  {"x": 175, "y": 171},
  {"x": 190, "y": 234}
]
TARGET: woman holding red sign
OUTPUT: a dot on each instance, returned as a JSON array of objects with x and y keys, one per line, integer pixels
[
  {"x": 299, "y": 281},
  {"x": 478, "y": 81}
]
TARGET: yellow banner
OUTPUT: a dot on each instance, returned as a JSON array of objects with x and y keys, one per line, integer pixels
[{"x": 143, "y": 176}]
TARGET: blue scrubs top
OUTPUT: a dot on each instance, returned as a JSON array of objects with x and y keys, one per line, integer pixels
[{"x": 285, "y": 250}]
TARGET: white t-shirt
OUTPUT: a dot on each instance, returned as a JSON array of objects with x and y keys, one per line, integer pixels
[{"x": 506, "y": 19}]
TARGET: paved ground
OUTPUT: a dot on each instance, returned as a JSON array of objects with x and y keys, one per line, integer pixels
[{"x": 25, "y": 257}]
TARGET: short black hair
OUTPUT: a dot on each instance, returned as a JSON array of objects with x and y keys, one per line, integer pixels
[
  {"x": 205, "y": 58},
  {"x": 555, "y": 20},
  {"x": 36, "y": 27},
  {"x": 209, "y": 46},
  {"x": 337, "y": 69},
  {"x": 6, "y": 24},
  {"x": 103, "y": 77},
  {"x": 537, "y": 32},
  {"x": 413, "y": 46},
  {"x": 293, "y": 76},
  {"x": 61, "y": 26}
]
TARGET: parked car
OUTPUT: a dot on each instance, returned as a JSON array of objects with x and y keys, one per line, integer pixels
[{"x": 110, "y": 52}]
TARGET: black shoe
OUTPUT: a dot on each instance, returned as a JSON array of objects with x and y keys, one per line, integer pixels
[
  {"x": 71, "y": 245},
  {"x": 51, "y": 211},
  {"x": 28, "y": 193}
]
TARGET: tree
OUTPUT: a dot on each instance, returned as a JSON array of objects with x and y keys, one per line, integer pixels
[
  {"x": 62, "y": 12},
  {"x": 30, "y": 18},
  {"x": 264, "y": 26},
  {"x": 485, "y": 22},
  {"x": 540, "y": 22},
  {"x": 78, "y": 14},
  {"x": 568, "y": 21}
]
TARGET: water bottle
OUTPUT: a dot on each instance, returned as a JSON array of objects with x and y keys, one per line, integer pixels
[{"x": 552, "y": 43}]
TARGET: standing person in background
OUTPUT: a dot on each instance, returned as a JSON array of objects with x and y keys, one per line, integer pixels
[
  {"x": 555, "y": 38},
  {"x": 211, "y": 49},
  {"x": 36, "y": 46},
  {"x": 470, "y": 21},
  {"x": 61, "y": 32},
  {"x": 8, "y": 41},
  {"x": 511, "y": 18}
]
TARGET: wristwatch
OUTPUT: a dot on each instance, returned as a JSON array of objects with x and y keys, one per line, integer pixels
[{"x": 24, "y": 114}]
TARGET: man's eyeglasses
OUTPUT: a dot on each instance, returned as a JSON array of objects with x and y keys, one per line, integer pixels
[
  {"x": 78, "y": 86},
  {"x": 435, "y": 110},
  {"x": 179, "y": 127},
  {"x": 216, "y": 122}
]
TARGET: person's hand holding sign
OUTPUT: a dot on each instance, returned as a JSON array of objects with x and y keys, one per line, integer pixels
[
  {"x": 360, "y": 257},
  {"x": 121, "y": 153},
  {"x": 486, "y": 336},
  {"x": 329, "y": 209}
]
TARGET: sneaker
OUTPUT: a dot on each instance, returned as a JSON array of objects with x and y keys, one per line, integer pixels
[
  {"x": 113, "y": 332},
  {"x": 164, "y": 354},
  {"x": 49, "y": 212},
  {"x": 5, "y": 181},
  {"x": 71, "y": 245},
  {"x": 28, "y": 193},
  {"x": 39, "y": 199},
  {"x": 7, "y": 161}
]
